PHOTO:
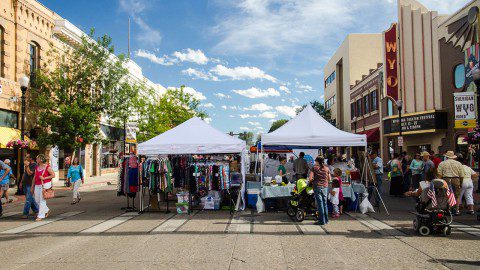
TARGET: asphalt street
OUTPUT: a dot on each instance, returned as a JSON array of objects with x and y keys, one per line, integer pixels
[{"x": 97, "y": 234}]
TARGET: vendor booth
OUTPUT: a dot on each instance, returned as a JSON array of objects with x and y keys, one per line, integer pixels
[
  {"x": 195, "y": 153},
  {"x": 307, "y": 130}
]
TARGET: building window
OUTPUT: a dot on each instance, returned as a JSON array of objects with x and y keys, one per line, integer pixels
[
  {"x": 366, "y": 103},
  {"x": 389, "y": 107},
  {"x": 330, "y": 79},
  {"x": 2, "y": 50},
  {"x": 459, "y": 76},
  {"x": 352, "y": 111},
  {"x": 329, "y": 103},
  {"x": 359, "y": 108},
  {"x": 374, "y": 101},
  {"x": 34, "y": 59},
  {"x": 8, "y": 119}
]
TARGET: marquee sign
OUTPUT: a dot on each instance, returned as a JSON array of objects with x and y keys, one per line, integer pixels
[
  {"x": 423, "y": 122},
  {"x": 391, "y": 64}
]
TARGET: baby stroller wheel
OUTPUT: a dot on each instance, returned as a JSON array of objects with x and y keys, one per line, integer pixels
[
  {"x": 300, "y": 215},
  {"x": 416, "y": 224},
  {"x": 291, "y": 211},
  {"x": 424, "y": 230},
  {"x": 447, "y": 231}
]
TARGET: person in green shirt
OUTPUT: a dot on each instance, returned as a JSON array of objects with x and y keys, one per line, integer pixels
[
  {"x": 416, "y": 167},
  {"x": 282, "y": 171}
]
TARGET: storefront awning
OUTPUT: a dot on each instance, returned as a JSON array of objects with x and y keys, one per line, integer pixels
[
  {"x": 9, "y": 134},
  {"x": 373, "y": 135}
]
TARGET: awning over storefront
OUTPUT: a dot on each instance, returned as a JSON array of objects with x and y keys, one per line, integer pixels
[
  {"x": 9, "y": 134},
  {"x": 373, "y": 135}
]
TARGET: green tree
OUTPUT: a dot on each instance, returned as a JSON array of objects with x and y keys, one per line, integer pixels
[
  {"x": 85, "y": 84},
  {"x": 277, "y": 124},
  {"x": 247, "y": 137},
  {"x": 157, "y": 115},
  {"x": 319, "y": 108}
]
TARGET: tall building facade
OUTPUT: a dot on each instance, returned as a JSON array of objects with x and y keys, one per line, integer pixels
[{"x": 357, "y": 54}]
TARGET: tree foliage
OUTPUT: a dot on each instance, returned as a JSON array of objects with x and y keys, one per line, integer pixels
[
  {"x": 247, "y": 137},
  {"x": 277, "y": 124},
  {"x": 85, "y": 83},
  {"x": 319, "y": 108},
  {"x": 171, "y": 109}
]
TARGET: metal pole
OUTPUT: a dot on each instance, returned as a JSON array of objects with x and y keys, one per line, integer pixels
[
  {"x": 22, "y": 137},
  {"x": 400, "y": 125}
]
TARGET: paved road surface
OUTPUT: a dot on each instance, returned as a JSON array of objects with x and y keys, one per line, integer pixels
[{"x": 96, "y": 234}]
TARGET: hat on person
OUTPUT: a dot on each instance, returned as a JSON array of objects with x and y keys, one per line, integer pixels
[
  {"x": 424, "y": 154},
  {"x": 7, "y": 161},
  {"x": 344, "y": 156},
  {"x": 450, "y": 154}
]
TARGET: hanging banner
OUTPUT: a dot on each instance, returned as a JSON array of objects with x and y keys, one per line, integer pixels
[
  {"x": 465, "y": 110},
  {"x": 471, "y": 63},
  {"x": 391, "y": 65},
  {"x": 131, "y": 130}
]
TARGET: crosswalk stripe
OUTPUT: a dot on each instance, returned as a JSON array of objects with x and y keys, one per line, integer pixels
[
  {"x": 10, "y": 214},
  {"x": 37, "y": 224},
  {"x": 108, "y": 224},
  {"x": 466, "y": 229},
  {"x": 240, "y": 224},
  {"x": 310, "y": 228},
  {"x": 170, "y": 225},
  {"x": 376, "y": 225}
]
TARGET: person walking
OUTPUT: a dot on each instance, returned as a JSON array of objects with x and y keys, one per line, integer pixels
[
  {"x": 75, "y": 176},
  {"x": 407, "y": 172},
  {"x": 377, "y": 163},
  {"x": 416, "y": 167},
  {"x": 319, "y": 178},
  {"x": 4, "y": 171},
  {"x": 5, "y": 174},
  {"x": 43, "y": 180},
  {"x": 300, "y": 167},
  {"x": 28, "y": 186},
  {"x": 428, "y": 164},
  {"x": 467, "y": 186},
  {"x": 435, "y": 159},
  {"x": 452, "y": 172},
  {"x": 396, "y": 175}
]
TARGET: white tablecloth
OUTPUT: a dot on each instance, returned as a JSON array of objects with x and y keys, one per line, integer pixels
[{"x": 276, "y": 192}]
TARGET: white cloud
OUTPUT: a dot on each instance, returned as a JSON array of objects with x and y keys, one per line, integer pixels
[
  {"x": 245, "y": 128},
  {"x": 284, "y": 88},
  {"x": 272, "y": 120},
  {"x": 233, "y": 108},
  {"x": 208, "y": 120},
  {"x": 190, "y": 55},
  {"x": 254, "y": 92},
  {"x": 199, "y": 74},
  {"x": 136, "y": 8},
  {"x": 222, "y": 96},
  {"x": 191, "y": 91},
  {"x": 231, "y": 116},
  {"x": 442, "y": 6},
  {"x": 208, "y": 105},
  {"x": 242, "y": 73},
  {"x": 258, "y": 107},
  {"x": 244, "y": 116},
  {"x": 258, "y": 128},
  {"x": 287, "y": 110},
  {"x": 254, "y": 123},
  {"x": 164, "y": 60},
  {"x": 224, "y": 107},
  {"x": 268, "y": 115},
  {"x": 303, "y": 87}
]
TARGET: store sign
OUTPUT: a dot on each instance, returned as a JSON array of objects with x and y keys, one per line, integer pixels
[
  {"x": 131, "y": 132},
  {"x": 471, "y": 63},
  {"x": 416, "y": 123},
  {"x": 465, "y": 110},
  {"x": 391, "y": 64}
]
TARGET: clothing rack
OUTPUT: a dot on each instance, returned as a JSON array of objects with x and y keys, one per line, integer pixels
[
  {"x": 125, "y": 188},
  {"x": 158, "y": 175}
]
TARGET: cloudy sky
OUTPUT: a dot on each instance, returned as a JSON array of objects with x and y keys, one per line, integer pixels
[{"x": 249, "y": 61}]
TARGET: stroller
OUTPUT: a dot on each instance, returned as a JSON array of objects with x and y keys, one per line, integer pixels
[
  {"x": 433, "y": 217},
  {"x": 302, "y": 203}
]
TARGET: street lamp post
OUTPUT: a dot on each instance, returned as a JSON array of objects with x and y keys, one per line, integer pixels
[
  {"x": 24, "y": 81},
  {"x": 476, "y": 80},
  {"x": 400, "y": 106}
]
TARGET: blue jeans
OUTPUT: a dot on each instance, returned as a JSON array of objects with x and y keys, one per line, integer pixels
[
  {"x": 371, "y": 189},
  {"x": 29, "y": 201},
  {"x": 321, "y": 194}
]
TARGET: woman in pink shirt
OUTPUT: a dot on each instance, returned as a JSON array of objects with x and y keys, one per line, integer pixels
[{"x": 43, "y": 180}]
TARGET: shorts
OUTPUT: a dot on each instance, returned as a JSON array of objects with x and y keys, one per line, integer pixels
[{"x": 4, "y": 187}]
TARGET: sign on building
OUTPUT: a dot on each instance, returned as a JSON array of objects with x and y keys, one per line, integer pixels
[
  {"x": 131, "y": 132},
  {"x": 416, "y": 123},
  {"x": 471, "y": 63},
  {"x": 465, "y": 110},
  {"x": 391, "y": 64}
]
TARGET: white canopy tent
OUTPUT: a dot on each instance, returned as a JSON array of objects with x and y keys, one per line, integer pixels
[
  {"x": 195, "y": 137},
  {"x": 309, "y": 129}
]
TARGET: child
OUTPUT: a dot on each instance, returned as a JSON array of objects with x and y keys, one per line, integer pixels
[
  {"x": 5, "y": 183},
  {"x": 337, "y": 174},
  {"x": 334, "y": 197}
]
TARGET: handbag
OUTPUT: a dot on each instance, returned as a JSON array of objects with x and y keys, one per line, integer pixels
[{"x": 47, "y": 193}]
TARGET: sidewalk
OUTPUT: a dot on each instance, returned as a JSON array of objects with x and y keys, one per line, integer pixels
[{"x": 90, "y": 182}]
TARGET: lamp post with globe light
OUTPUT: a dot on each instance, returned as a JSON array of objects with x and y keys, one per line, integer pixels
[{"x": 24, "y": 81}]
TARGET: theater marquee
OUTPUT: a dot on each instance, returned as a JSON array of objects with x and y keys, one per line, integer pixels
[{"x": 391, "y": 64}]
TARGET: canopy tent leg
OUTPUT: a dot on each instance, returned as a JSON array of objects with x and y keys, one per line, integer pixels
[{"x": 369, "y": 169}]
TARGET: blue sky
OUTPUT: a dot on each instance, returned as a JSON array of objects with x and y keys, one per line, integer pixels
[{"x": 250, "y": 61}]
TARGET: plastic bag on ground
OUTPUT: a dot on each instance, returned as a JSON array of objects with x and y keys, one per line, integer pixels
[
  {"x": 366, "y": 206},
  {"x": 260, "y": 205}
]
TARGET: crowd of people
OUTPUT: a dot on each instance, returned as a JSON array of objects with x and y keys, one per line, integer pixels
[{"x": 36, "y": 180}]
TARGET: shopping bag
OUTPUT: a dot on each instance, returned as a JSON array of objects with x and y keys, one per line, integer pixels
[
  {"x": 260, "y": 205},
  {"x": 366, "y": 206}
]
